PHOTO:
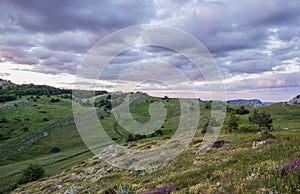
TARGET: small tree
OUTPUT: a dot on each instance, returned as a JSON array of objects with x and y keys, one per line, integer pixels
[
  {"x": 262, "y": 119},
  {"x": 242, "y": 111},
  {"x": 32, "y": 173},
  {"x": 205, "y": 127},
  {"x": 55, "y": 149},
  {"x": 231, "y": 122}
]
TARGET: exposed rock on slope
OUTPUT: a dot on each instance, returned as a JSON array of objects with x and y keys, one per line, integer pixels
[{"x": 294, "y": 101}]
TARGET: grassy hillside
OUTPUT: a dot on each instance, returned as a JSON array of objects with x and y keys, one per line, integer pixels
[
  {"x": 31, "y": 126},
  {"x": 233, "y": 168}
]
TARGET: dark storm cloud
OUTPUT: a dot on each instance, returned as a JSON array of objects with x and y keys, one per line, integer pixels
[
  {"x": 48, "y": 27},
  {"x": 69, "y": 15}
]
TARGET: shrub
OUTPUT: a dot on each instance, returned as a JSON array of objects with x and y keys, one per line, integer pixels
[
  {"x": 114, "y": 138},
  {"x": 55, "y": 100},
  {"x": 45, "y": 119},
  {"x": 207, "y": 105},
  {"x": 262, "y": 119},
  {"x": 32, "y": 173},
  {"x": 3, "y": 120},
  {"x": 157, "y": 132},
  {"x": 248, "y": 128},
  {"x": 242, "y": 111},
  {"x": 25, "y": 129},
  {"x": 229, "y": 109},
  {"x": 55, "y": 149},
  {"x": 204, "y": 127},
  {"x": 231, "y": 123}
]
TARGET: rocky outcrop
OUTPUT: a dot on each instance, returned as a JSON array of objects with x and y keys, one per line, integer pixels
[{"x": 294, "y": 102}]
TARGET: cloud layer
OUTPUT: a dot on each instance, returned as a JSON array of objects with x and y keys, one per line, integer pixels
[{"x": 255, "y": 43}]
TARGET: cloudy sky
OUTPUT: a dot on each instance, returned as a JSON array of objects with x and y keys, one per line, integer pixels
[{"x": 254, "y": 43}]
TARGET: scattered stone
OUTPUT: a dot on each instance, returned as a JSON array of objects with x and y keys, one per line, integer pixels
[
  {"x": 218, "y": 143},
  {"x": 258, "y": 143},
  {"x": 59, "y": 186},
  {"x": 45, "y": 134}
]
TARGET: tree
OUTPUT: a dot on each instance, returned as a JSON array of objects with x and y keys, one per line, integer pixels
[
  {"x": 262, "y": 119},
  {"x": 207, "y": 105},
  {"x": 242, "y": 111},
  {"x": 205, "y": 127},
  {"x": 32, "y": 173},
  {"x": 231, "y": 122},
  {"x": 55, "y": 149}
]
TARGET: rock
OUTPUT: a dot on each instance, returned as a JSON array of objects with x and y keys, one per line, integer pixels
[
  {"x": 218, "y": 143},
  {"x": 294, "y": 102},
  {"x": 258, "y": 143},
  {"x": 59, "y": 186}
]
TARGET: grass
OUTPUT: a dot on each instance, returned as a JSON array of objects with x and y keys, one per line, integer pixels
[
  {"x": 234, "y": 168},
  {"x": 230, "y": 166}
]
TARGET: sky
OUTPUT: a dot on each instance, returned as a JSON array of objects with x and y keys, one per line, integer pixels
[{"x": 254, "y": 43}]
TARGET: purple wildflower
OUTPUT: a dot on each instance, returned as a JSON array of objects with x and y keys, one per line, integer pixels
[{"x": 291, "y": 167}]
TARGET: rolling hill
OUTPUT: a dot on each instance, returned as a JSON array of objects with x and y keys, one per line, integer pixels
[{"x": 40, "y": 128}]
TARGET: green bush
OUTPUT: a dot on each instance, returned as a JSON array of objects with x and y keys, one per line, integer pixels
[
  {"x": 55, "y": 149},
  {"x": 249, "y": 128},
  {"x": 55, "y": 100},
  {"x": 3, "y": 120},
  {"x": 262, "y": 119},
  {"x": 204, "y": 127},
  {"x": 25, "y": 129},
  {"x": 242, "y": 111},
  {"x": 32, "y": 173},
  {"x": 231, "y": 123}
]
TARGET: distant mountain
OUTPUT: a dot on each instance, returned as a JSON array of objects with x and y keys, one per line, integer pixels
[
  {"x": 244, "y": 101},
  {"x": 295, "y": 101}
]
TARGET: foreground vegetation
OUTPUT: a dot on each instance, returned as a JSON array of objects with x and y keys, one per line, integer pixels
[
  {"x": 234, "y": 168},
  {"x": 39, "y": 129}
]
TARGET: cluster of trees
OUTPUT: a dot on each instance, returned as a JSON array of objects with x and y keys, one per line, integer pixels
[
  {"x": 10, "y": 91},
  {"x": 258, "y": 119},
  {"x": 5, "y": 98},
  {"x": 33, "y": 172},
  {"x": 241, "y": 110},
  {"x": 104, "y": 102},
  {"x": 262, "y": 119}
]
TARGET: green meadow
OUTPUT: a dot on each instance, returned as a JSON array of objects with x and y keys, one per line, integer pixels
[{"x": 40, "y": 129}]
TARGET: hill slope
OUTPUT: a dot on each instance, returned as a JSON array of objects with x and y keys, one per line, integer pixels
[
  {"x": 32, "y": 125},
  {"x": 234, "y": 168}
]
